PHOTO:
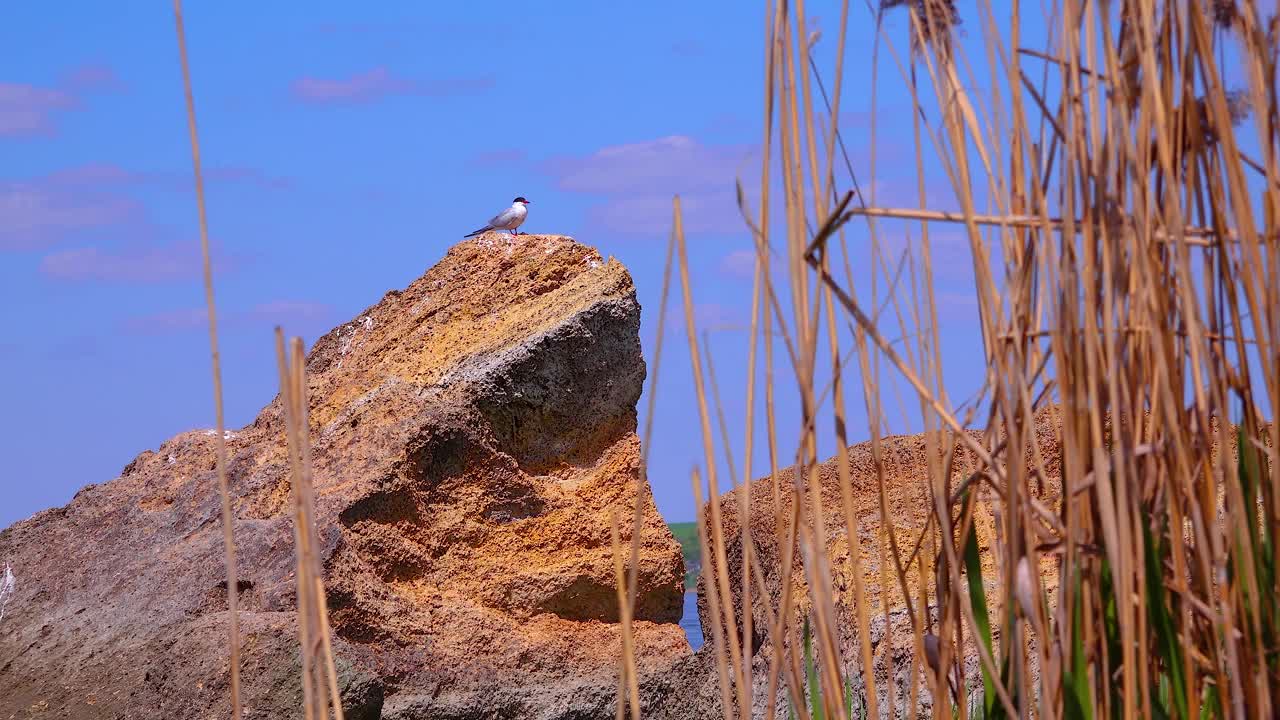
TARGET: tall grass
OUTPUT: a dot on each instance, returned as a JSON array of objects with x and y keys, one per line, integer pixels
[{"x": 1128, "y": 291}]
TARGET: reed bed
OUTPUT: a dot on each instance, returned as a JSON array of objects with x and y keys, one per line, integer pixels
[{"x": 1119, "y": 206}]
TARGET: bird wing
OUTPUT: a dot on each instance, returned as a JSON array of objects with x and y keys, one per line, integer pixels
[{"x": 503, "y": 218}]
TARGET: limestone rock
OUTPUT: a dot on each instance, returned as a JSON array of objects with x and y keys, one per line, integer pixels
[
  {"x": 471, "y": 437},
  {"x": 905, "y": 462}
]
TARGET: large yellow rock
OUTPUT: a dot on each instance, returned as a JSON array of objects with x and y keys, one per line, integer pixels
[{"x": 471, "y": 437}]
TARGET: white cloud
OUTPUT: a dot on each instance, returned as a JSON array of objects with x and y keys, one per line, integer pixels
[
  {"x": 667, "y": 165},
  {"x": 134, "y": 263},
  {"x": 34, "y": 215},
  {"x": 653, "y": 215},
  {"x": 292, "y": 315},
  {"x": 639, "y": 180}
]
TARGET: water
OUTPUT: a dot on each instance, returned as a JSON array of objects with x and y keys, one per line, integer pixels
[{"x": 689, "y": 621}]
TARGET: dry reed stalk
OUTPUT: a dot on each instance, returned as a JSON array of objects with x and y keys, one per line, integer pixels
[
  {"x": 1197, "y": 236},
  {"x": 627, "y": 592},
  {"x": 812, "y": 538},
  {"x": 717, "y": 533},
  {"x": 744, "y": 506},
  {"x": 763, "y": 284},
  {"x": 319, "y": 672},
  {"x": 224, "y": 492},
  {"x": 629, "y": 681},
  {"x": 718, "y": 634}
]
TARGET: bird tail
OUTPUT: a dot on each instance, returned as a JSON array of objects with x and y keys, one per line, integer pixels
[{"x": 477, "y": 232}]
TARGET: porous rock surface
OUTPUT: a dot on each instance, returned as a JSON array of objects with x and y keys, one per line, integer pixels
[
  {"x": 692, "y": 689},
  {"x": 471, "y": 437},
  {"x": 904, "y": 463}
]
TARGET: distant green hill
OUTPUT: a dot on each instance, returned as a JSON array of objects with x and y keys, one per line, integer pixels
[{"x": 687, "y": 534}]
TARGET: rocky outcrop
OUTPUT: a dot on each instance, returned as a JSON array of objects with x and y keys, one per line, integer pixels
[
  {"x": 905, "y": 462},
  {"x": 471, "y": 437},
  {"x": 693, "y": 691}
]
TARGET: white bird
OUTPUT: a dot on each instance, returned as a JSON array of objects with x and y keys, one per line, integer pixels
[{"x": 508, "y": 219}]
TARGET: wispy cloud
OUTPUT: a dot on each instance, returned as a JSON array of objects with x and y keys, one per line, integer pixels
[
  {"x": 58, "y": 207},
  {"x": 108, "y": 176},
  {"x": 651, "y": 214},
  {"x": 168, "y": 321},
  {"x": 30, "y": 110},
  {"x": 135, "y": 263},
  {"x": 667, "y": 164},
  {"x": 92, "y": 77},
  {"x": 636, "y": 182},
  {"x": 378, "y": 84},
  {"x": 285, "y": 311},
  {"x": 34, "y": 215},
  {"x": 362, "y": 87},
  {"x": 639, "y": 179},
  {"x": 707, "y": 317},
  {"x": 88, "y": 174},
  {"x": 904, "y": 192},
  {"x": 293, "y": 315}
]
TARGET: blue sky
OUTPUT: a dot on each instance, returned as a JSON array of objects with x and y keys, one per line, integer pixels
[{"x": 346, "y": 148}]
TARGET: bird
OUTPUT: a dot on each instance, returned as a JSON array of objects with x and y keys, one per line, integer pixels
[{"x": 508, "y": 219}]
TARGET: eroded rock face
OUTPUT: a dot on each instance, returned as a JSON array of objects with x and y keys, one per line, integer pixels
[
  {"x": 692, "y": 690},
  {"x": 905, "y": 463},
  {"x": 471, "y": 437}
]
